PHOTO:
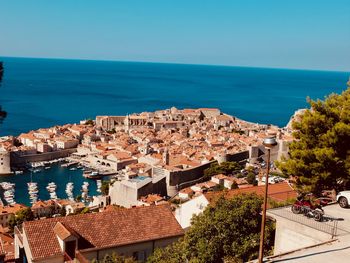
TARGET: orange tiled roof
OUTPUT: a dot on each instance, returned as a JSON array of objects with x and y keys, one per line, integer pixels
[
  {"x": 12, "y": 209},
  {"x": 279, "y": 192},
  {"x": 99, "y": 230},
  {"x": 7, "y": 247}
]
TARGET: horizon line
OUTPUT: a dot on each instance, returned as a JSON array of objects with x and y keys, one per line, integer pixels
[{"x": 176, "y": 63}]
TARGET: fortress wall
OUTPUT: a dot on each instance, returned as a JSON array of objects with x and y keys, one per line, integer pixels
[{"x": 17, "y": 160}]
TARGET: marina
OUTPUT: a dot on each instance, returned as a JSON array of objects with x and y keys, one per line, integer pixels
[{"x": 51, "y": 183}]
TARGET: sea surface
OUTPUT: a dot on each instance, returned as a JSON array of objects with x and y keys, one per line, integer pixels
[{"x": 38, "y": 93}]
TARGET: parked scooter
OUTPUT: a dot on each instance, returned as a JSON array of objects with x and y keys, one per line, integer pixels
[{"x": 307, "y": 208}]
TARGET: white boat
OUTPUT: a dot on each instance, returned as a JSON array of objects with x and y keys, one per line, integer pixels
[
  {"x": 7, "y": 186},
  {"x": 53, "y": 195},
  {"x": 85, "y": 187},
  {"x": 18, "y": 172},
  {"x": 73, "y": 169},
  {"x": 51, "y": 187}
]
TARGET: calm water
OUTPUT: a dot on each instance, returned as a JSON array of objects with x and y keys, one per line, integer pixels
[
  {"x": 44, "y": 92},
  {"x": 61, "y": 176}
]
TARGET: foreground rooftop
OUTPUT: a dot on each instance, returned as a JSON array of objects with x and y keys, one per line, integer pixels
[{"x": 101, "y": 230}]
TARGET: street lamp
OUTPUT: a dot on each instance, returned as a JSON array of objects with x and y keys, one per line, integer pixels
[{"x": 269, "y": 143}]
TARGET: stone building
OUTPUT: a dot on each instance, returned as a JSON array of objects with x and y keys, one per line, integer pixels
[
  {"x": 5, "y": 167},
  {"x": 134, "y": 232}
]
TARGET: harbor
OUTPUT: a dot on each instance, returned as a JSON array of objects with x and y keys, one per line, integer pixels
[{"x": 47, "y": 182}]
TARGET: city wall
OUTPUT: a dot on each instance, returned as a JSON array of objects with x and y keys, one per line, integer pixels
[
  {"x": 190, "y": 174},
  {"x": 177, "y": 180},
  {"x": 20, "y": 160}
]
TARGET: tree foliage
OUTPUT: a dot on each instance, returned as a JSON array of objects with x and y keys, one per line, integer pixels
[
  {"x": 223, "y": 168},
  {"x": 89, "y": 122},
  {"x": 228, "y": 230},
  {"x": 105, "y": 187},
  {"x": 251, "y": 178},
  {"x": 25, "y": 214},
  {"x": 320, "y": 155},
  {"x": 114, "y": 258}
]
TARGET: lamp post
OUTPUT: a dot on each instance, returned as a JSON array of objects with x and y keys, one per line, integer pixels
[{"x": 269, "y": 142}]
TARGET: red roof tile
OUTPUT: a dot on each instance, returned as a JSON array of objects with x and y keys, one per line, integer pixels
[
  {"x": 279, "y": 192},
  {"x": 107, "y": 229}
]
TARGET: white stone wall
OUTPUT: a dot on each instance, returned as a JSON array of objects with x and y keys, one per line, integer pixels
[{"x": 185, "y": 212}]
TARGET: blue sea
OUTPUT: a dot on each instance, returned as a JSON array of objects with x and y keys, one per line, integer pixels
[
  {"x": 44, "y": 92},
  {"x": 39, "y": 93}
]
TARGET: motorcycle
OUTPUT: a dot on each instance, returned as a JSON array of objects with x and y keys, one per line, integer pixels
[{"x": 307, "y": 208}]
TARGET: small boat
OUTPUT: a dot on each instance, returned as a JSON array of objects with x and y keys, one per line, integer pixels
[
  {"x": 47, "y": 167},
  {"x": 85, "y": 187},
  {"x": 51, "y": 187},
  {"x": 18, "y": 172},
  {"x": 92, "y": 175},
  {"x": 73, "y": 169}
]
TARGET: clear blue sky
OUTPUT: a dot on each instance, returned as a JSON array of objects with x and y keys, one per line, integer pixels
[{"x": 310, "y": 34}]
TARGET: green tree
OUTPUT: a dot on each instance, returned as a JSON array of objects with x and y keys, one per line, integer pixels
[
  {"x": 251, "y": 178},
  {"x": 234, "y": 185},
  {"x": 173, "y": 253},
  {"x": 230, "y": 230},
  {"x": 105, "y": 187},
  {"x": 223, "y": 168},
  {"x": 320, "y": 155},
  {"x": 25, "y": 214},
  {"x": 114, "y": 258},
  {"x": 89, "y": 122}
]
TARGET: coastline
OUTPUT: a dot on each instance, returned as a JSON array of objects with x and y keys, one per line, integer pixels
[{"x": 140, "y": 148}]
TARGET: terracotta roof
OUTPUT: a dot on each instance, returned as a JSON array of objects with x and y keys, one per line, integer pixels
[
  {"x": 7, "y": 247},
  {"x": 279, "y": 192},
  {"x": 11, "y": 209},
  {"x": 151, "y": 198},
  {"x": 108, "y": 229},
  {"x": 62, "y": 231},
  {"x": 220, "y": 176}
]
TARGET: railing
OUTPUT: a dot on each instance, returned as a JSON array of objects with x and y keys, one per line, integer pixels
[{"x": 328, "y": 225}]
